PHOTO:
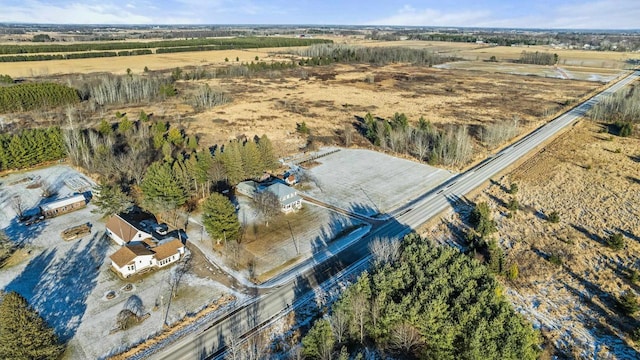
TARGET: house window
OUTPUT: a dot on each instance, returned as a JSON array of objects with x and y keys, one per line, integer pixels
[{"x": 131, "y": 267}]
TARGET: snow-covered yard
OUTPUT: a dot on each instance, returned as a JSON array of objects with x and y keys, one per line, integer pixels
[
  {"x": 368, "y": 182},
  {"x": 68, "y": 282},
  {"x": 290, "y": 238}
]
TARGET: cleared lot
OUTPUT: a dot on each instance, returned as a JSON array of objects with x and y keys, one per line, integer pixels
[
  {"x": 68, "y": 282},
  {"x": 368, "y": 182}
]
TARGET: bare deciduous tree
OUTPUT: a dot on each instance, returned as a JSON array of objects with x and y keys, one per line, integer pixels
[
  {"x": 385, "y": 250},
  {"x": 18, "y": 205},
  {"x": 339, "y": 324},
  {"x": 405, "y": 337},
  {"x": 268, "y": 205}
]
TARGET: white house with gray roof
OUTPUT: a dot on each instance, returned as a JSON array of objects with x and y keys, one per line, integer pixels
[{"x": 288, "y": 197}]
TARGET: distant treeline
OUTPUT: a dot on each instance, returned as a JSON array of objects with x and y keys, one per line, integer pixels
[
  {"x": 499, "y": 40},
  {"x": 225, "y": 43},
  {"x": 538, "y": 58},
  {"x": 30, "y": 96},
  {"x": 324, "y": 54},
  {"x": 30, "y": 147}
]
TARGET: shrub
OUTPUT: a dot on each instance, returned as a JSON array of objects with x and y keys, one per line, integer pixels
[
  {"x": 513, "y": 189},
  {"x": 554, "y": 217},
  {"x": 628, "y": 303},
  {"x": 633, "y": 276},
  {"x": 555, "y": 259},
  {"x": 615, "y": 241},
  {"x": 635, "y": 335},
  {"x": 513, "y": 272},
  {"x": 513, "y": 205},
  {"x": 302, "y": 128}
]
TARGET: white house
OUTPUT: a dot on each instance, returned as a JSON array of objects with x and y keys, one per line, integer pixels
[
  {"x": 123, "y": 232},
  {"x": 131, "y": 259},
  {"x": 288, "y": 197},
  {"x": 135, "y": 258}
]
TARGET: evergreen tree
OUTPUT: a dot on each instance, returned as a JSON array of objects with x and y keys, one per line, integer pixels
[
  {"x": 481, "y": 219},
  {"x": 161, "y": 190},
  {"x": 267, "y": 155},
  {"x": 231, "y": 158},
  {"x": 110, "y": 199},
  {"x": 105, "y": 128},
  {"x": 251, "y": 162},
  {"x": 192, "y": 143},
  {"x": 24, "y": 335},
  {"x": 125, "y": 126},
  {"x": 175, "y": 137},
  {"x": 319, "y": 342},
  {"x": 434, "y": 303},
  {"x": 220, "y": 219}
]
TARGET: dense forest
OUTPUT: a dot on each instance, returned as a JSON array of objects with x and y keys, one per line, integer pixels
[
  {"x": 325, "y": 54},
  {"x": 424, "y": 302},
  {"x": 30, "y": 147},
  {"x": 30, "y": 96}
]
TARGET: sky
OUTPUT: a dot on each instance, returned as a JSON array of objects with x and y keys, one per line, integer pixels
[{"x": 558, "y": 14}]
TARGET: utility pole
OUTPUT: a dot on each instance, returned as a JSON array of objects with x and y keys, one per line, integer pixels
[{"x": 293, "y": 238}]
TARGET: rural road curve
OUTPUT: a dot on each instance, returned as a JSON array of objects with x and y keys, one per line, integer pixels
[{"x": 239, "y": 323}]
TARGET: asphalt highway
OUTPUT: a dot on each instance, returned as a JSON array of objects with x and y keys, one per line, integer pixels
[{"x": 235, "y": 326}]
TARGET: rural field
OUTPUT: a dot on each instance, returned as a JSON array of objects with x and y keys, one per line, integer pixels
[
  {"x": 590, "y": 179},
  {"x": 333, "y": 96}
]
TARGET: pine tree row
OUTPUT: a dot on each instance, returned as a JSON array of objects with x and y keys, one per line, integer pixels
[
  {"x": 30, "y": 96},
  {"x": 30, "y": 147}
]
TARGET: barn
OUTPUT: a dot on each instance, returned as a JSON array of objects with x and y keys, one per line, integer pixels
[{"x": 63, "y": 206}]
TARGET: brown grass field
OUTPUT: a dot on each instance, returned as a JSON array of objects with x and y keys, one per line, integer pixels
[
  {"x": 335, "y": 95},
  {"x": 592, "y": 180}
]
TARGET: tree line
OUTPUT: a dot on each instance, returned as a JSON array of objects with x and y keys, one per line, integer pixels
[
  {"x": 424, "y": 302},
  {"x": 123, "y": 89},
  {"x": 324, "y": 54},
  {"x": 451, "y": 146},
  {"x": 30, "y": 96},
  {"x": 622, "y": 110},
  {"x": 30, "y": 147},
  {"x": 226, "y": 43},
  {"x": 538, "y": 58}
]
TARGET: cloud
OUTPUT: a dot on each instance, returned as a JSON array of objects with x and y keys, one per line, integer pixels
[
  {"x": 72, "y": 13},
  {"x": 411, "y": 16},
  {"x": 600, "y": 14}
]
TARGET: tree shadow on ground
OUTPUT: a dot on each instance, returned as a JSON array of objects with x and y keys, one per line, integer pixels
[
  {"x": 497, "y": 200},
  {"x": 499, "y": 184},
  {"x": 635, "y": 158},
  {"x": 593, "y": 236},
  {"x": 633, "y": 180},
  {"x": 609, "y": 313},
  {"x": 59, "y": 287}
]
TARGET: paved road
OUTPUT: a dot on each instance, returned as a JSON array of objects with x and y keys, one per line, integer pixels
[{"x": 239, "y": 323}]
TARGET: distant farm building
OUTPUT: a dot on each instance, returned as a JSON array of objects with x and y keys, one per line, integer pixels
[{"x": 63, "y": 206}]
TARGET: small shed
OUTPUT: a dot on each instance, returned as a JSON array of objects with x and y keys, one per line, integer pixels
[{"x": 63, "y": 206}]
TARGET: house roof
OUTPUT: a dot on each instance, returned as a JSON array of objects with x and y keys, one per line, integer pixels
[
  {"x": 281, "y": 190},
  {"x": 63, "y": 202},
  {"x": 122, "y": 228},
  {"x": 167, "y": 249},
  {"x": 247, "y": 188},
  {"x": 128, "y": 253}
]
